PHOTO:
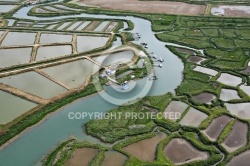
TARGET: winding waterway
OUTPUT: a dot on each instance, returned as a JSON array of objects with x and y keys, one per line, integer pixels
[{"x": 35, "y": 143}]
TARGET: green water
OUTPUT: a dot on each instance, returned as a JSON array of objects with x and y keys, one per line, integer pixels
[{"x": 9, "y": 111}]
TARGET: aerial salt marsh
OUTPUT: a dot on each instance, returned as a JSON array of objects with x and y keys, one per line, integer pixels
[
  {"x": 145, "y": 150},
  {"x": 193, "y": 118},
  {"x": 241, "y": 110},
  {"x": 49, "y": 52},
  {"x": 228, "y": 94},
  {"x": 74, "y": 73},
  {"x": 87, "y": 43},
  {"x": 176, "y": 106},
  {"x": 237, "y": 138},
  {"x": 215, "y": 128},
  {"x": 11, "y": 38},
  {"x": 34, "y": 83},
  {"x": 113, "y": 158},
  {"x": 10, "y": 111},
  {"x": 10, "y": 57},
  {"x": 55, "y": 38},
  {"x": 229, "y": 79},
  {"x": 180, "y": 151}
]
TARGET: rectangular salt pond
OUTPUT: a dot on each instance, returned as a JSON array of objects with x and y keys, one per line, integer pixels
[
  {"x": 34, "y": 83},
  {"x": 241, "y": 110},
  {"x": 228, "y": 94},
  {"x": 206, "y": 70},
  {"x": 229, "y": 79},
  {"x": 10, "y": 22},
  {"x": 246, "y": 89},
  {"x": 12, "y": 107},
  {"x": 50, "y": 52},
  {"x": 87, "y": 43},
  {"x": 6, "y": 8},
  {"x": 76, "y": 24},
  {"x": 193, "y": 118},
  {"x": 74, "y": 73},
  {"x": 55, "y": 38},
  {"x": 10, "y": 57},
  {"x": 63, "y": 25},
  {"x": 101, "y": 26},
  {"x": 19, "y": 38},
  {"x": 52, "y": 26},
  {"x": 175, "y": 106},
  {"x": 81, "y": 27}
]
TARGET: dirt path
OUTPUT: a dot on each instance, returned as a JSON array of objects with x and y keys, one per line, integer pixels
[{"x": 149, "y": 6}]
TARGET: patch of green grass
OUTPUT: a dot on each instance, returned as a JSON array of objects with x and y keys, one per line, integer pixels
[
  {"x": 223, "y": 43},
  {"x": 210, "y": 32},
  {"x": 225, "y": 55},
  {"x": 192, "y": 86}
]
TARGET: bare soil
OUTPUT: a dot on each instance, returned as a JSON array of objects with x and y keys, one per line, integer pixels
[
  {"x": 149, "y": 6},
  {"x": 82, "y": 157}
]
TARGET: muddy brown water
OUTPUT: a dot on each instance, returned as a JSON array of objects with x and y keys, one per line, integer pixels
[
  {"x": 204, "y": 97},
  {"x": 195, "y": 59},
  {"x": 180, "y": 151},
  {"x": 145, "y": 150},
  {"x": 82, "y": 157},
  {"x": 237, "y": 137},
  {"x": 187, "y": 51},
  {"x": 113, "y": 158},
  {"x": 216, "y": 127},
  {"x": 241, "y": 160}
]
